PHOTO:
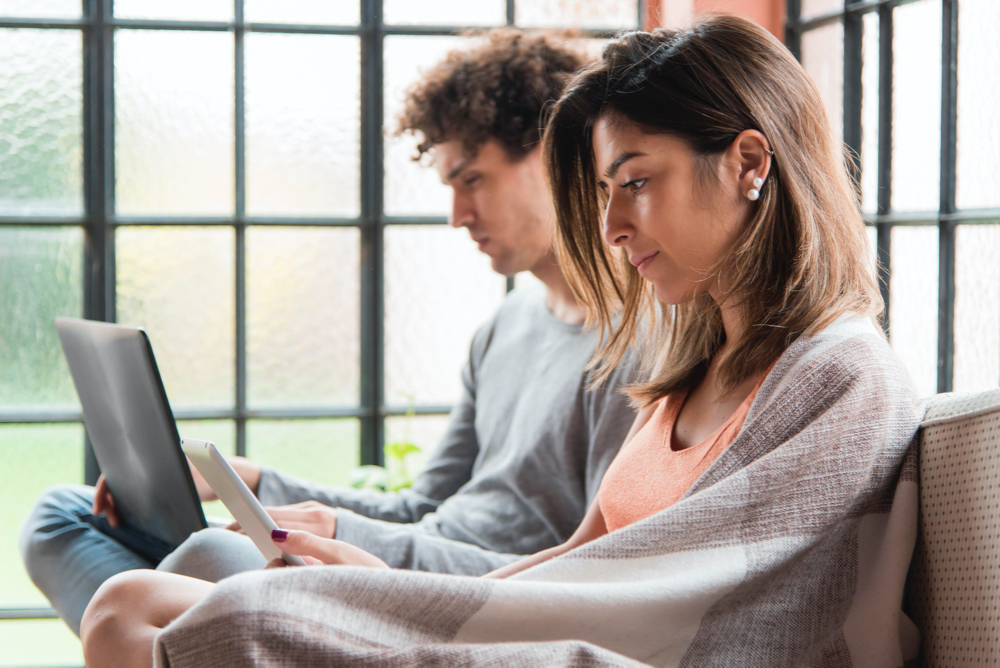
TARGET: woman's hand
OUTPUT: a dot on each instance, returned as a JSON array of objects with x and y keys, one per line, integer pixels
[
  {"x": 311, "y": 516},
  {"x": 320, "y": 551},
  {"x": 104, "y": 502}
]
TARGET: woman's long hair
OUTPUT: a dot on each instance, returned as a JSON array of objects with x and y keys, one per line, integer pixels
[{"x": 800, "y": 261}]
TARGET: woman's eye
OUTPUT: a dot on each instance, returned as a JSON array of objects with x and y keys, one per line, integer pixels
[{"x": 634, "y": 185}]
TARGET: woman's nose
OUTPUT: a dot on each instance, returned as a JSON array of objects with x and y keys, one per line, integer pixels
[{"x": 617, "y": 231}]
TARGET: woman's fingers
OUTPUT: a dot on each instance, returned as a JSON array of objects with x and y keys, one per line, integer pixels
[{"x": 325, "y": 550}]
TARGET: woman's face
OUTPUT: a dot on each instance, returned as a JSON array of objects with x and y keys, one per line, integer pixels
[{"x": 674, "y": 224}]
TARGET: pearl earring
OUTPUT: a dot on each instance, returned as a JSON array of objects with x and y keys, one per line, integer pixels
[
  {"x": 753, "y": 195},
  {"x": 758, "y": 182}
]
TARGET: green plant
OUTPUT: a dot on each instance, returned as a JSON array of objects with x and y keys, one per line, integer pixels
[{"x": 395, "y": 475}]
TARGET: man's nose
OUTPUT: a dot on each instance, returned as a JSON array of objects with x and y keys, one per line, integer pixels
[{"x": 462, "y": 211}]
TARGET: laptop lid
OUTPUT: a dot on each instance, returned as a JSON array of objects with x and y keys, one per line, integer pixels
[{"x": 131, "y": 427}]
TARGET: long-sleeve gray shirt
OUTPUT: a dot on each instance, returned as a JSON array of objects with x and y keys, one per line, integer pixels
[{"x": 523, "y": 456}]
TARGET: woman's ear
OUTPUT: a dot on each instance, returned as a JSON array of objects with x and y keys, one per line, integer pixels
[{"x": 752, "y": 152}]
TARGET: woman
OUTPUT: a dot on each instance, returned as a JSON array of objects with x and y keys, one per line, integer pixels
[{"x": 762, "y": 510}]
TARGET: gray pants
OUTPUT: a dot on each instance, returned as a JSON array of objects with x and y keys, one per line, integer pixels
[{"x": 69, "y": 555}]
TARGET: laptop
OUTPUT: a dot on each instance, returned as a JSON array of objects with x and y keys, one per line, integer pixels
[{"x": 132, "y": 429}]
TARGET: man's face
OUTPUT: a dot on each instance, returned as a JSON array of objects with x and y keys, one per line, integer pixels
[{"x": 505, "y": 205}]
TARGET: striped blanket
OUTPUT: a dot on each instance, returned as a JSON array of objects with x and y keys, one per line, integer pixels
[{"x": 792, "y": 549}]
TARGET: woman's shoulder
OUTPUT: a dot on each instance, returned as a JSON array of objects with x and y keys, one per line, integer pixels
[{"x": 850, "y": 349}]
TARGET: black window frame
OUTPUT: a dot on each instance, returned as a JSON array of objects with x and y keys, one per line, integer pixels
[
  {"x": 947, "y": 217},
  {"x": 99, "y": 220}
]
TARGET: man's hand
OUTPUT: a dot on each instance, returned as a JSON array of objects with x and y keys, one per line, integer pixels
[
  {"x": 104, "y": 502},
  {"x": 311, "y": 516},
  {"x": 318, "y": 551}
]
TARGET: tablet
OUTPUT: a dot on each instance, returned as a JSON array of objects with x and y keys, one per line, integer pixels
[{"x": 237, "y": 497}]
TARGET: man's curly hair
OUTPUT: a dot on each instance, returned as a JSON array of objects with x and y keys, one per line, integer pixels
[{"x": 497, "y": 90}]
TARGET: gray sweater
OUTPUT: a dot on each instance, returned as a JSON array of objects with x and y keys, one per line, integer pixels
[{"x": 523, "y": 456}]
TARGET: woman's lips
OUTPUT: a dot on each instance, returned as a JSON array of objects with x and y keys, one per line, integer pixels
[{"x": 642, "y": 261}]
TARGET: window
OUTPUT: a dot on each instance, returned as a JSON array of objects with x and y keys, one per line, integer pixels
[
  {"x": 217, "y": 172},
  {"x": 914, "y": 89}
]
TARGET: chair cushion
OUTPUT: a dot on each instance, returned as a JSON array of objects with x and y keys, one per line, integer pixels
[{"x": 953, "y": 592}]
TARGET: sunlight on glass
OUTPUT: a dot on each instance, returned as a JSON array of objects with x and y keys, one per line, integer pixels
[
  {"x": 174, "y": 127},
  {"x": 178, "y": 283},
  {"x": 446, "y": 12},
  {"x": 41, "y": 9},
  {"x": 869, "y": 113},
  {"x": 324, "y": 451},
  {"x": 577, "y": 13},
  {"x": 35, "y": 457},
  {"x": 303, "y": 316},
  {"x": 327, "y": 12},
  {"x": 41, "y": 122},
  {"x": 302, "y": 132},
  {"x": 41, "y": 277},
  {"x": 916, "y": 106},
  {"x": 438, "y": 291},
  {"x": 977, "y": 307},
  {"x": 184, "y": 10},
  {"x": 978, "y": 179},
  {"x": 913, "y": 311},
  {"x": 823, "y": 60},
  {"x": 817, "y": 7},
  {"x": 411, "y": 187}
]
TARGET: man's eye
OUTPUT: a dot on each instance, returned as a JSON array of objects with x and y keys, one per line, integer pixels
[{"x": 472, "y": 180}]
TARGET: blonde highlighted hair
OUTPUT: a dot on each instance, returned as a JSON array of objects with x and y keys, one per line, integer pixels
[{"x": 799, "y": 262}]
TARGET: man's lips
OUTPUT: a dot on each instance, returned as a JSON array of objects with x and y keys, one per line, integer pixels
[{"x": 642, "y": 260}]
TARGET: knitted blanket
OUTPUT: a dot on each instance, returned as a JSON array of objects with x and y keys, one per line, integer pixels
[{"x": 791, "y": 549}]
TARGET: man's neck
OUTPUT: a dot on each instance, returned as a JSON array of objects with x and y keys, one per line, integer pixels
[{"x": 559, "y": 298}]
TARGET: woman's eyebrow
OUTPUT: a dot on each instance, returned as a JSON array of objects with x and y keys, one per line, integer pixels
[{"x": 619, "y": 161}]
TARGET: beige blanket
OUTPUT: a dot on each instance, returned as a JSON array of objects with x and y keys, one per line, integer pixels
[{"x": 792, "y": 549}]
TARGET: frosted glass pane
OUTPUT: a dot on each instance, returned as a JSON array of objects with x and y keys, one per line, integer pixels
[
  {"x": 190, "y": 10},
  {"x": 35, "y": 457},
  {"x": 869, "y": 113},
  {"x": 303, "y": 316},
  {"x": 978, "y": 180},
  {"x": 302, "y": 132},
  {"x": 410, "y": 187},
  {"x": 438, "y": 290},
  {"x": 424, "y": 431},
  {"x": 577, "y": 13},
  {"x": 916, "y": 106},
  {"x": 816, "y": 7},
  {"x": 977, "y": 308},
  {"x": 324, "y": 451},
  {"x": 41, "y": 122},
  {"x": 41, "y": 9},
  {"x": 174, "y": 127},
  {"x": 913, "y": 299},
  {"x": 872, "y": 248},
  {"x": 220, "y": 432},
  {"x": 331, "y": 12},
  {"x": 41, "y": 276},
  {"x": 39, "y": 642},
  {"x": 179, "y": 284},
  {"x": 446, "y": 12},
  {"x": 823, "y": 60}
]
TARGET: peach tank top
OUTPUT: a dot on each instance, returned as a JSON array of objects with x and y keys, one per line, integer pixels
[{"x": 648, "y": 475}]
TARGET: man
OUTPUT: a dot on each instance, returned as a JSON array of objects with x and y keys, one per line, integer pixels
[{"x": 527, "y": 443}]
